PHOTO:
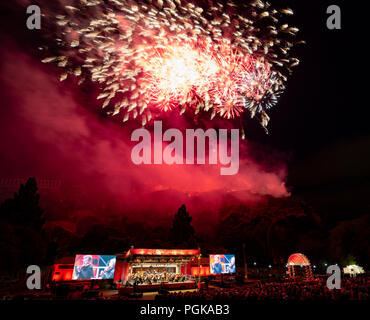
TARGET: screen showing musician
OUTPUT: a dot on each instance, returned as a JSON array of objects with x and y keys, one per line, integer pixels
[
  {"x": 222, "y": 263},
  {"x": 89, "y": 267}
]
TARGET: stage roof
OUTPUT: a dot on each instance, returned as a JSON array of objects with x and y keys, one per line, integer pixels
[
  {"x": 298, "y": 259},
  {"x": 163, "y": 252}
]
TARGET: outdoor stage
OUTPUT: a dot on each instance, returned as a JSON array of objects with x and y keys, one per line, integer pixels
[
  {"x": 152, "y": 269},
  {"x": 148, "y": 270}
]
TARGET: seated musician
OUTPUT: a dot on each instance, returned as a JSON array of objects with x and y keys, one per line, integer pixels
[{"x": 108, "y": 272}]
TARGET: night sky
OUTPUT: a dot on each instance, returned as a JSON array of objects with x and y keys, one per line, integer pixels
[{"x": 318, "y": 143}]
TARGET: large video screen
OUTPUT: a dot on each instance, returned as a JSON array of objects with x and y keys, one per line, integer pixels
[
  {"x": 93, "y": 266},
  {"x": 222, "y": 263}
]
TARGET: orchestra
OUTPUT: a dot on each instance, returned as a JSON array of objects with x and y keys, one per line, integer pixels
[{"x": 154, "y": 277}]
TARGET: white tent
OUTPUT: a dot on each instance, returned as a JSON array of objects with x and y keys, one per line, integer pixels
[{"x": 353, "y": 270}]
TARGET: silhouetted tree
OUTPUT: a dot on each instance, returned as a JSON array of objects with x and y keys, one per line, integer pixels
[
  {"x": 349, "y": 241},
  {"x": 182, "y": 232},
  {"x": 24, "y": 208},
  {"x": 270, "y": 228},
  {"x": 22, "y": 241},
  {"x": 102, "y": 239}
]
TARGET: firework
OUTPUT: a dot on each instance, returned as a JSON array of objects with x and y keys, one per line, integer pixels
[{"x": 154, "y": 56}]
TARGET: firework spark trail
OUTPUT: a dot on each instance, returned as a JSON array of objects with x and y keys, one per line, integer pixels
[{"x": 155, "y": 56}]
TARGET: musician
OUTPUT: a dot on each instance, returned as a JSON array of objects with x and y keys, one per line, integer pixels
[
  {"x": 231, "y": 267},
  {"x": 216, "y": 265},
  {"x": 85, "y": 271},
  {"x": 108, "y": 272}
]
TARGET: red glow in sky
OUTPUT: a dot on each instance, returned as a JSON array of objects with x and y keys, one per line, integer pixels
[{"x": 52, "y": 134}]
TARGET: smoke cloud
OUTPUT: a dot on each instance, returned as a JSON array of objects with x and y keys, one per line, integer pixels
[{"x": 50, "y": 130}]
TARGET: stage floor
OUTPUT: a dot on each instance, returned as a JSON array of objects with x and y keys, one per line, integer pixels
[{"x": 155, "y": 287}]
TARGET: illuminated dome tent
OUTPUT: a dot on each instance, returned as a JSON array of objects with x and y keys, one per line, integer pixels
[{"x": 299, "y": 266}]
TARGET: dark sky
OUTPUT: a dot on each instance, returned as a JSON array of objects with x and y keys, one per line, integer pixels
[
  {"x": 322, "y": 118},
  {"x": 323, "y": 103},
  {"x": 319, "y": 125}
]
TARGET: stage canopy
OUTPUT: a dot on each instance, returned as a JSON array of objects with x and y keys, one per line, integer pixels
[{"x": 162, "y": 252}]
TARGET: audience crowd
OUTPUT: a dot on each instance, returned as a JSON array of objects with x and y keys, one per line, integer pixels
[{"x": 351, "y": 289}]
